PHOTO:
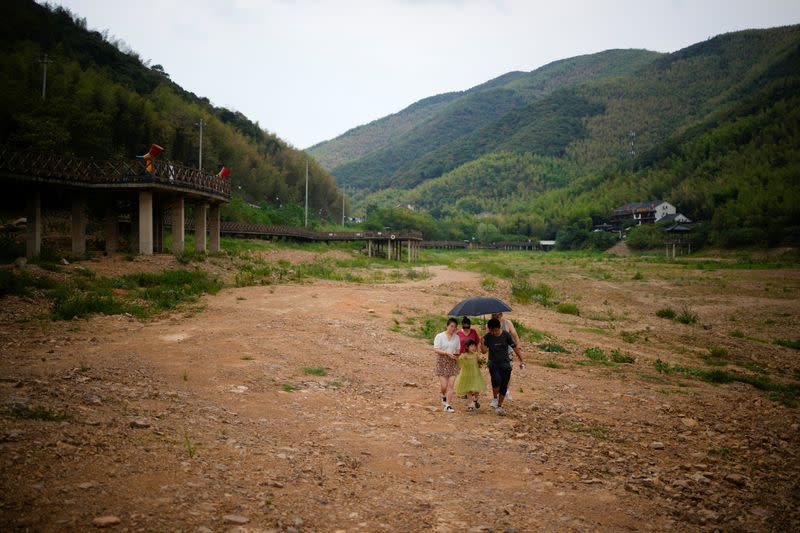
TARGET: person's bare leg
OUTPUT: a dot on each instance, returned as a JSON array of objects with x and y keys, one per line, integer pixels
[
  {"x": 443, "y": 388},
  {"x": 451, "y": 381}
]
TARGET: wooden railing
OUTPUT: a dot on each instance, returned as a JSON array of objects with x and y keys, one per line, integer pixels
[
  {"x": 71, "y": 169},
  {"x": 264, "y": 230}
]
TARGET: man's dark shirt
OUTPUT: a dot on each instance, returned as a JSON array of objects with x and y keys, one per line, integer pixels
[{"x": 498, "y": 348}]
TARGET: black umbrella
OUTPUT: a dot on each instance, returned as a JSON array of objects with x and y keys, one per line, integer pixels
[{"x": 479, "y": 305}]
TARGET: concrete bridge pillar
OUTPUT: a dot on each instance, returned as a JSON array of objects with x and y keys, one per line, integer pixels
[
  {"x": 146, "y": 223},
  {"x": 200, "y": 227},
  {"x": 178, "y": 229},
  {"x": 78, "y": 225},
  {"x": 33, "y": 214},
  {"x": 213, "y": 228},
  {"x": 111, "y": 230},
  {"x": 159, "y": 210}
]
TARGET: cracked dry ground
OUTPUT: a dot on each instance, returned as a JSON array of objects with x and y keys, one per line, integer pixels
[{"x": 184, "y": 423}]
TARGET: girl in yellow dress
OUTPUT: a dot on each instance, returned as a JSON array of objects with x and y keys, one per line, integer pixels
[{"x": 469, "y": 380}]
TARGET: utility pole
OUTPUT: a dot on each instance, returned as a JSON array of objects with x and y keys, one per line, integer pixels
[
  {"x": 343, "y": 191},
  {"x": 306, "y": 192},
  {"x": 200, "y": 157},
  {"x": 44, "y": 63}
]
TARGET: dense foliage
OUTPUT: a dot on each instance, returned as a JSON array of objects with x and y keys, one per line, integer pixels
[
  {"x": 714, "y": 129},
  {"x": 451, "y": 120},
  {"x": 104, "y": 102}
]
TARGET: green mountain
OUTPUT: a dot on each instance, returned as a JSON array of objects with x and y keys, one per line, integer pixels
[
  {"x": 104, "y": 102},
  {"x": 712, "y": 128},
  {"x": 385, "y": 152}
]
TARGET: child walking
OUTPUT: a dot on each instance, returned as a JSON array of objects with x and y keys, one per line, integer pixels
[{"x": 469, "y": 380}]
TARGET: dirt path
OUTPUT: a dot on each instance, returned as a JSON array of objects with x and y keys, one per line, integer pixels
[{"x": 209, "y": 422}]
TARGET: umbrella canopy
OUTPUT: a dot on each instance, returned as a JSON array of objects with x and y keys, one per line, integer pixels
[{"x": 479, "y": 305}]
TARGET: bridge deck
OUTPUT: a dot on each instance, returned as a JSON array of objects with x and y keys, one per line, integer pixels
[{"x": 71, "y": 171}]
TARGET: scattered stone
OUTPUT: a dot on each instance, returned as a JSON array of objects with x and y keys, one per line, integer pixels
[
  {"x": 91, "y": 399},
  {"x": 689, "y": 422},
  {"x": 106, "y": 521},
  {"x": 737, "y": 479},
  {"x": 20, "y": 262},
  {"x": 140, "y": 423},
  {"x": 235, "y": 519},
  {"x": 657, "y": 445},
  {"x": 410, "y": 384}
]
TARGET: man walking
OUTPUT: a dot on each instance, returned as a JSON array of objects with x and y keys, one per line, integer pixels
[{"x": 497, "y": 342}]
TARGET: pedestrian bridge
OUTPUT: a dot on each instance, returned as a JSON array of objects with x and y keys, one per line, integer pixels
[
  {"x": 121, "y": 188},
  {"x": 116, "y": 187}
]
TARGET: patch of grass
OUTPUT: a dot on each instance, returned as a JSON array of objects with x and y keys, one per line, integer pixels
[
  {"x": 551, "y": 363},
  {"x": 527, "y": 334},
  {"x": 37, "y": 413},
  {"x": 524, "y": 292},
  {"x": 568, "y": 309},
  {"x": 597, "y": 431},
  {"x": 21, "y": 283},
  {"x": 629, "y": 336},
  {"x": 552, "y": 347},
  {"x": 794, "y": 344},
  {"x": 722, "y": 451},
  {"x": 596, "y": 354},
  {"x": 686, "y": 316},
  {"x": 786, "y": 393},
  {"x": 189, "y": 446},
  {"x": 666, "y": 312},
  {"x": 737, "y": 333},
  {"x": 420, "y": 326},
  {"x": 189, "y": 255},
  {"x": 716, "y": 356},
  {"x": 489, "y": 284},
  {"x": 287, "y": 387},
  {"x": 140, "y": 294},
  {"x": 619, "y": 357},
  {"x": 247, "y": 358},
  {"x": 638, "y": 276},
  {"x": 315, "y": 371},
  {"x": 665, "y": 390},
  {"x": 185, "y": 375}
]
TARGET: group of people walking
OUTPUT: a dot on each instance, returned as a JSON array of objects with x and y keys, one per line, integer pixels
[{"x": 457, "y": 361}]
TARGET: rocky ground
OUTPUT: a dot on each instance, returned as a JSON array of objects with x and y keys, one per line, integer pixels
[{"x": 219, "y": 419}]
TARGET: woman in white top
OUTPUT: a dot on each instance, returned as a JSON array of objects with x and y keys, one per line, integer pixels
[{"x": 447, "y": 347}]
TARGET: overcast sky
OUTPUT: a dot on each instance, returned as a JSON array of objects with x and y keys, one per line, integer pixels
[{"x": 309, "y": 70}]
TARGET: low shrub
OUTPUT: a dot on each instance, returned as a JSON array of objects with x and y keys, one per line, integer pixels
[
  {"x": 619, "y": 357},
  {"x": 666, "y": 312},
  {"x": 552, "y": 347},
  {"x": 568, "y": 309},
  {"x": 595, "y": 354},
  {"x": 794, "y": 344},
  {"x": 686, "y": 316}
]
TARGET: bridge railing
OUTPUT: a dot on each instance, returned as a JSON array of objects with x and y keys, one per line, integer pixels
[
  {"x": 68, "y": 168},
  {"x": 242, "y": 228}
]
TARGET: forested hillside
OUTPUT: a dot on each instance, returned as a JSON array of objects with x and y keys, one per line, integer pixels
[
  {"x": 105, "y": 102},
  {"x": 454, "y": 116},
  {"x": 713, "y": 129}
]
